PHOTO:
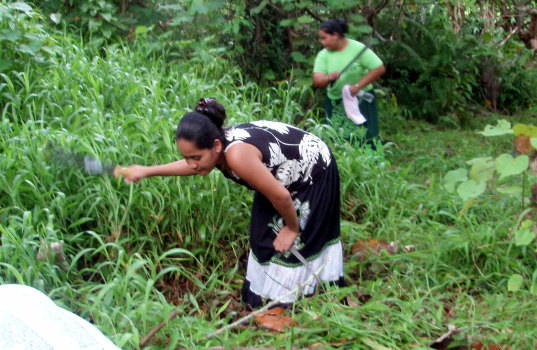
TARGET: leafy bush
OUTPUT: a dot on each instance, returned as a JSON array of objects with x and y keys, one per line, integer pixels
[
  {"x": 103, "y": 20},
  {"x": 505, "y": 175},
  {"x": 23, "y": 37}
]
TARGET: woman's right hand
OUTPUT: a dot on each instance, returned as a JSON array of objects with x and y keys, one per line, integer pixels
[
  {"x": 333, "y": 76},
  {"x": 134, "y": 173}
]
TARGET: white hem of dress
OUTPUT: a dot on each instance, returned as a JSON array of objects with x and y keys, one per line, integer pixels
[{"x": 275, "y": 281}]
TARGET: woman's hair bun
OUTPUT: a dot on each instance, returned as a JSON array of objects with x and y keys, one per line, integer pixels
[{"x": 209, "y": 107}]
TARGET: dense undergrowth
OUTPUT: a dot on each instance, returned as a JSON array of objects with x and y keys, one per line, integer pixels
[{"x": 136, "y": 253}]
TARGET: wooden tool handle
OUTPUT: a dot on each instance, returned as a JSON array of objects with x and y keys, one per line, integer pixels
[{"x": 120, "y": 170}]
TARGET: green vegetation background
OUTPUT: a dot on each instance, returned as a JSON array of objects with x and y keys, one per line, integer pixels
[{"x": 136, "y": 253}]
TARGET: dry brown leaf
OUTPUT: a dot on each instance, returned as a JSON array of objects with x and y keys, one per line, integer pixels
[
  {"x": 367, "y": 246},
  {"x": 522, "y": 144},
  {"x": 410, "y": 248},
  {"x": 274, "y": 319},
  {"x": 351, "y": 302},
  {"x": 156, "y": 217},
  {"x": 481, "y": 346}
]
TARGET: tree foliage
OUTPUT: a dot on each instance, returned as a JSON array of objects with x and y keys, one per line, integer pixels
[{"x": 442, "y": 57}]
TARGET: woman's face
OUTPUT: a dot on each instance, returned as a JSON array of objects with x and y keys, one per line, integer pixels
[
  {"x": 329, "y": 41},
  {"x": 202, "y": 161}
]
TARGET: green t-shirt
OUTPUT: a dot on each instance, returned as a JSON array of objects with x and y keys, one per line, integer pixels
[{"x": 328, "y": 61}]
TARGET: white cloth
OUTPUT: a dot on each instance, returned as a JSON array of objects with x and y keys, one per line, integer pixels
[
  {"x": 273, "y": 281},
  {"x": 31, "y": 320},
  {"x": 350, "y": 104}
]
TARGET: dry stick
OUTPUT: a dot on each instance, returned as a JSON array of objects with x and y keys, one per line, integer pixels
[
  {"x": 153, "y": 331},
  {"x": 158, "y": 327},
  {"x": 513, "y": 32},
  {"x": 269, "y": 305},
  {"x": 451, "y": 330}
]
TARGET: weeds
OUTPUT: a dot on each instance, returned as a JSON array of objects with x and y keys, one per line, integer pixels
[{"x": 137, "y": 253}]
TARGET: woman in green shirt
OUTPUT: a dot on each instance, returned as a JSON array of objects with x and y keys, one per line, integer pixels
[{"x": 339, "y": 52}]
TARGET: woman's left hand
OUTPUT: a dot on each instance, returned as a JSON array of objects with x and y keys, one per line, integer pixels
[
  {"x": 354, "y": 89},
  {"x": 285, "y": 239}
]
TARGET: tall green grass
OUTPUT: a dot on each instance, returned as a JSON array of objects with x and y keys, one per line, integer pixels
[{"x": 136, "y": 253}]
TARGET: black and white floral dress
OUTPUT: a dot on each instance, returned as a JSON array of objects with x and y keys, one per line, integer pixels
[{"x": 304, "y": 165}]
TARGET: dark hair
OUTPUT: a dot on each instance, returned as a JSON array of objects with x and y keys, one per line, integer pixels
[
  {"x": 203, "y": 125},
  {"x": 337, "y": 25}
]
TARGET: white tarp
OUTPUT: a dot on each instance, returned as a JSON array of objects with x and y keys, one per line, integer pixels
[{"x": 31, "y": 320}]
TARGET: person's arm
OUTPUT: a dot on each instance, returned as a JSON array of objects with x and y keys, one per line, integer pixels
[
  {"x": 321, "y": 80},
  {"x": 372, "y": 76},
  {"x": 245, "y": 160},
  {"x": 321, "y": 76},
  {"x": 135, "y": 173}
]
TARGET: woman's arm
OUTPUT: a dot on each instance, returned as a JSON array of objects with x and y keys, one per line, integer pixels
[
  {"x": 372, "y": 76},
  {"x": 135, "y": 173},
  {"x": 245, "y": 160},
  {"x": 322, "y": 80}
]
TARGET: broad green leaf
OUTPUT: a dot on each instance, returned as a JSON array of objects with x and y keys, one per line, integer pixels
[
  {"x": 453, "y": 177},
  {"x": 31, "y": 48},
  {"x": 286, "y": 22},
  {"x": 357, "y": 18},
  {"x": 6, "y": 65},
  {"x": 197, "y": 6},
  {"x": 94, "y": 25},
  {"x": 506, "y": 165},
  {"x": 107, "y": 16},
  {"x": 486, "y": 36},
  {"x": 533, "y": 289},
  {"x": 21, "y": 6},
  {"x": 482, "y": 170},
  {"x": 471, "y": 189},
  {"x": 141, "y": 30},
  {"x": 303, "y": 4},
  {"x": 477, "y": 160},
  {"x": 524, "y": 236},
  {"x": 298, "y": 56},
  {"x": 533, "y": 142},
  {"x": 305, "y": 19},
  {"x": 502, "y": 128},
  {"x": 364, "y": 28},
  {"x": 523, "y": 129},
  {"x": 107, "y": 32},
  {"x": 510, "y": 190},
  {"x": 11, "y": 35},
  {"x": 259, "y": 8},
  {"x": 515, "y": 283},
  {"x": 340, "y": 4}
]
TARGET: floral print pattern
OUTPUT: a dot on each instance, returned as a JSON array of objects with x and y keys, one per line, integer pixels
[{"x": 292, "y": 155}]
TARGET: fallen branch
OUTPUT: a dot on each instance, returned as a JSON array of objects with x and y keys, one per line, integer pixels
[
  {"x": 451, "y": 330},
  {"x": 513, "y": 32},
  {"x": 269, "y": 305},
  {"x": 157, "y": 328}
]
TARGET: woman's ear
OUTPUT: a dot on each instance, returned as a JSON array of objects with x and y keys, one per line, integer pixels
[{"x": 218, "y": 146}]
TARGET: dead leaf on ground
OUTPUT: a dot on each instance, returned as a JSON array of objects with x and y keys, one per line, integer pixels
[
  {"x": 522, "y": 144},
  {"x": 320, "y": 345},
  {"x": 274, "y": 319},
  {"x": 365, "y": 247},
  {"x": 362, "y": 299}
]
